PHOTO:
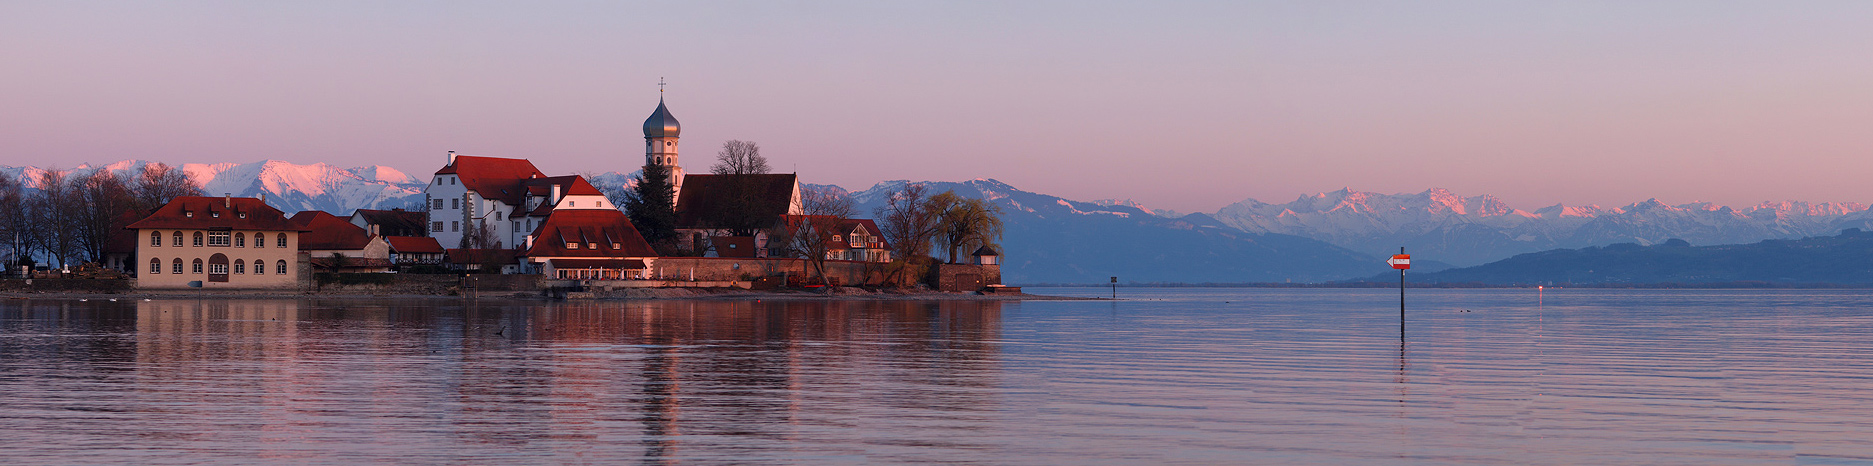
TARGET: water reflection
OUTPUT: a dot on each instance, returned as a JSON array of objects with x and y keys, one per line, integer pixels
[{"x": 331, "y": 380}]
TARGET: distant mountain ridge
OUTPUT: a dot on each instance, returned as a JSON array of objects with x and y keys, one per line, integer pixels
[
  {"x": 1472, "y": 230},
  {"x": 1840, "y": 259},
  {"x": 288, "y": 186}
]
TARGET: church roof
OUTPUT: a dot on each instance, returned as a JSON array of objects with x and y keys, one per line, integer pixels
[
  {"x": 703, "y": 194},
  {"x": 661, "y": 124}
]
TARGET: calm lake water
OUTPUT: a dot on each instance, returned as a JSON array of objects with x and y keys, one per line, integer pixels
[{"x": 1202, "y": 376}]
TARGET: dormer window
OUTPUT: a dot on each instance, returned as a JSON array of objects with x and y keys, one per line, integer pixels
[
  {"x": 188, "y": 213},
  {"x": 572, "y": 245},
  {"x": 243, "y": 215},
  {"x": 214, "y": 214}
]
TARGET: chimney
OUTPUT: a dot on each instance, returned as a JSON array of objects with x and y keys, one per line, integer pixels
[
  {"x": 451, "y": 157},
  {"x": 374, "y": 229},
  {"x": 227, "y": 200},
  {"x": 263, "y": 197},
  {"x": 554, "y": 197}
]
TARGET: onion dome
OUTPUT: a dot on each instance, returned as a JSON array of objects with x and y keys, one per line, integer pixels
[{"x": 661, "y": 124}]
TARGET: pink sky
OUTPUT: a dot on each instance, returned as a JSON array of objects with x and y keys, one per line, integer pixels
[{"x": 1185, "y": 106}]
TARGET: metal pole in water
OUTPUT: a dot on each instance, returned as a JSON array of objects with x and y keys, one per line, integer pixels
[{"x": 1401, "y": 300}]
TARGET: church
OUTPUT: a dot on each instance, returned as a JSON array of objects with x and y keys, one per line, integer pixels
[{"x": 697, "y": 196}]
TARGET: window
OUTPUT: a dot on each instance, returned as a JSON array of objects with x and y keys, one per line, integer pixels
[
  {"x": 240, "y": 240},
  {"x": 497, "y": 216},
  {"x": 215, "y": 214},
  {"x": 197, "y": 268},
  {"x": 178, "y": 239},
  {"x": 455, "y": 226},
  {"x": 260, "y": 240},
  {"x": 218, "y": 238},
  {"x": 198, "y": 240},
  {"x": 282, "y": 242},
  {"x": 240, "y": 267},
  {"x": 156, "y": 239},
  {"x": 451, "y": 181},
  {"x": 572, "y": 203},
  {"x": 436, "y": 204},
  {"x": 156, "y": 266},
  {"x": 601, "y": 203},
  {"x": 435, "y": 226},
  {"x": 279, "y": 267},
  {"x": 572, "y": 245},
  {"x": 260, "y": 267},
  {"x": 176, "y": 267},
  {"x": 455, "y": 203}
]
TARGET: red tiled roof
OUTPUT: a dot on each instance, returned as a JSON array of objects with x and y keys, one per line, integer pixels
[
  {"x": 325, "y": 231},
  {"x": 701, "y": 193},
  {"x": 414, "y": 245},
  {"x": 214, "y": 213},
  {"x": 124, "y": 240},
  {"x": 607, "y": 228},
  {"x": 846, "y": 227},
  {"x": 493, "y": 177}
]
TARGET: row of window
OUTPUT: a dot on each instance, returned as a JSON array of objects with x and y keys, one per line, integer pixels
[
  {"x": 240, "y": 267},
  {"x": 218, "y": 238}
]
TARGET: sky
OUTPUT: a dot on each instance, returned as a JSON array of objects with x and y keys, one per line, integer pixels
[{"x": 1177, "y": 105}]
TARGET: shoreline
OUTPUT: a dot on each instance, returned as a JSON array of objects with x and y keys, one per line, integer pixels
[{"x": 715, "y": 294}]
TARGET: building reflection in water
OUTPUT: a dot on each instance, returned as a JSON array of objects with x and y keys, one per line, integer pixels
[{"x": 653, "y": 380}]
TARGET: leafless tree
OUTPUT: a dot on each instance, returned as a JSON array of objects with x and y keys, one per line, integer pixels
[
  {"x": 909, "y": 224},
  {"x": 158, "y": 183},
  {"x": 739, "y": 157},
  {"x": 12, "y": 216},
  {"x": 824, "y": 212},
  {"x": 104, "y": 200},
  {"x": 51, "y": 220}
]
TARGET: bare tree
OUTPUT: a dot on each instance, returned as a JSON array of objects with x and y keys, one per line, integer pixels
[
  {"x": 13, "y": 221},
  {"x": 824, "y": 213},
  {"x": 157, "y": 184},
  {"x": 909, "y": 224},
  {"x": 739, "y": 157},
  {"x": 51, "y": 219},
  {"x": 103, "y": 199},
  {"x": 968, "y": 224}
]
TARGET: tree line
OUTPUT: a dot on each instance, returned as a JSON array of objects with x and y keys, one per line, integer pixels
[{"x": 63, "y": 217}]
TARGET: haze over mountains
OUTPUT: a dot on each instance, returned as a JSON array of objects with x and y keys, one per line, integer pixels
[{"x": 1326, "y": 236}]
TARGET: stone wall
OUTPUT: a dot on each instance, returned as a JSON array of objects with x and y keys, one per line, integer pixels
[
  {"x": 743, "y": 269},
  {"x": 967, "y": 277},
  {"x": 439, "y": 284},
  {"x": 66, "y": 285}
]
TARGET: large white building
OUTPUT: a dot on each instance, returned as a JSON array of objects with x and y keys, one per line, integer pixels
[{"x": 495, "y": 203}]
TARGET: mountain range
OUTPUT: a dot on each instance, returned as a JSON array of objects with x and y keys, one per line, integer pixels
[
  {"x": 1835, "y": 260},
  {"x": 1317, "y": 237}
]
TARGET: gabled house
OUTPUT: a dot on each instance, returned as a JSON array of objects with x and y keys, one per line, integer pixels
[
  {"x": 856, "y": 239},
  {"x": 334, "y": 244},
  {"x": 415, "y": 250},
  {"x": 588, "y": 244},
  {"x": 232, "y": 242}
]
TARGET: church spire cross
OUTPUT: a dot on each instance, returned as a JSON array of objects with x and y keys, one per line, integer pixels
[{"x": 660, "y": 85}]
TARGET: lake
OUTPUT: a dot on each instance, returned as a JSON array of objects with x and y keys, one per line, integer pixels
[{"x": 1167, "y": 375}]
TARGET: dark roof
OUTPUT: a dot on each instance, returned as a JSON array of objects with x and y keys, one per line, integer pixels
[
  {"x": 703, "y": 192},
  {"x": 480, "y": 256},
  {"x": 393, "y": 221},
  {"x": 609, "y": 229},
  {"x": 324, "y": 231},
  {"x": 985, "y": 251},
  {"x": 661, "y": 124},
  {"x": 631, "y": 264},
  {"x": 217, "y": 213},
  {"x": 493, "y": 177},
  {"x": 414, "y": 245}
]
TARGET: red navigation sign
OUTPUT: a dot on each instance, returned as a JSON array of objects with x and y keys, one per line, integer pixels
[{"x": 1400, "y": 261}]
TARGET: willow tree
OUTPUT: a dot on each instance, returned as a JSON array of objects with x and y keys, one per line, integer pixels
[{"x": 966, "y": 224}]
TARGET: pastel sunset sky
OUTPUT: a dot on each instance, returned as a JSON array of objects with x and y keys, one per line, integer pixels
[{"x": 1188, "y": 106}]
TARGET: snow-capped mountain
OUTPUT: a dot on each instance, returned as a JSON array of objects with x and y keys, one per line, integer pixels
[
  {"x": 289, "y": 187},
  {"x": 1461, "y": 230}
]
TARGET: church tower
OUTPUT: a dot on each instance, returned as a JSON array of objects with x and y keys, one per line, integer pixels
[{"x": 660, "y": 135}]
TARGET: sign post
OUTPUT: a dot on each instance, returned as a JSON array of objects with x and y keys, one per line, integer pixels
[
  {"x": 1402, "y": 262},
  {"x": 1115, "y": 287}
]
